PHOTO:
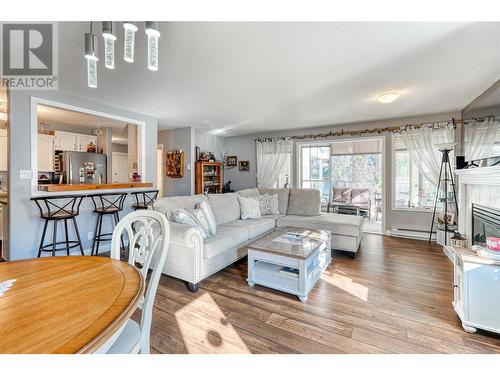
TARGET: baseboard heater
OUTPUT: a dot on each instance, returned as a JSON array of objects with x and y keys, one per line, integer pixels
[{"x": 417, "y": 234}]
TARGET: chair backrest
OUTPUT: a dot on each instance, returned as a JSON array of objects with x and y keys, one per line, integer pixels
[
  {"x": 148, "y": 235},
  {"x": 51, "y": 206},
  {"x": 146, "y": 198},
  {"x": 108, "y": 201}
]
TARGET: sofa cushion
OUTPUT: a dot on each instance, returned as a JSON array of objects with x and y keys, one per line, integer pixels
[
  {"x": 304, "y": 202},
  {"x": 255, "y": 227},
  {"x": 360, "y": 197},
  {"x": 283, "y": 194},
  {"x": 342, "y": 195},
  {"x": 227, "y": 237},
  {"x": 167, "y": 205},
  {"x": 225, "y": 206},
  {"x": 268, "y": 204},
  {"x": 346, "y": 225},
  {"x": 209, "y": 216},
  {"x": 249, "y": 208},
  {"x": 253, "y": 192},
  {"x": 193, "y": 217}
]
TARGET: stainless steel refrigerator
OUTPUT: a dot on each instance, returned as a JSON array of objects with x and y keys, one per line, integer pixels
[{"x": 84, "y": 168}]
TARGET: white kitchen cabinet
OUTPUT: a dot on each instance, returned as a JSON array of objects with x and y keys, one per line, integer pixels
[
  {"x": 65, "y": 141},
  {"x": 476, "y": 297},
  {"x": 84, "y": 141},
  {"x": 45, "y": 153},
  {"x": 3, "y": 150}
]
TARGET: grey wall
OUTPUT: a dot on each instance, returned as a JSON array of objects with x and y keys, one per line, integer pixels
[
  {"x": 119, "y": 148},
  {"x": 179, "y": 139},
  {"x": 244, "y": 148},
  {"x": 209, "y": 142},
  {"x": 24, "y": 222}
]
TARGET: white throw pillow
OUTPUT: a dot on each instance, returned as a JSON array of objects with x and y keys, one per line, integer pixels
[
  {"x": 209, "y": 216},
  {"x": 183, "y": 216},
  {"x": 268, "y": 204},
  {"x": 249, "y": 208}
]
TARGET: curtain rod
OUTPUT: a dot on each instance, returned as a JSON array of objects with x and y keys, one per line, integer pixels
[{"x": 388, "y": 129}]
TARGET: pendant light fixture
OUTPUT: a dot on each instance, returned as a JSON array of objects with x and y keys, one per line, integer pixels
[
  {"x": 91, "y": 57},
  {"x": 109, "y": 44},
  {"x": 130, "y": 29},
  {"x": 153, "y": 35},
  {"x": 129, "y": 41}
]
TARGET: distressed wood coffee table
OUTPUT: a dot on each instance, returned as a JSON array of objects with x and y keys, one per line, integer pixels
[{"x": 289, "y": 259}]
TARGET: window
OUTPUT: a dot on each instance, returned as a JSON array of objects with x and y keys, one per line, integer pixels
[
  {"x": 315, "y": 169},
  {"x": 285, "y": 175},
  {"x": 410, "y": 188}
]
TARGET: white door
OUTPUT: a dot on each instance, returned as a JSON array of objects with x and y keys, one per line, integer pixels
[
  {"x": 119, "y": 167},
  {"x": 3, "y": 150},
  {"x": 45, "y": 153}
]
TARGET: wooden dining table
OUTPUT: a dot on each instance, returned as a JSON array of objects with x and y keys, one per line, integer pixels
[{"x": 67, "y": 304}]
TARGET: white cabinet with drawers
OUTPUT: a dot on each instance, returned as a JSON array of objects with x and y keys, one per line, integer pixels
[{"x": 476, "y": 296}]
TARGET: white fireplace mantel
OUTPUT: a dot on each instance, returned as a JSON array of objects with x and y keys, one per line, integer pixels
[
  {"x": 479, "y": 186},
  {"x": 479, "y": 176}
]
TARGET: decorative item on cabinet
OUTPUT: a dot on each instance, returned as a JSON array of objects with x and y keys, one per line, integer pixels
[
  {"x": 197, "y": 153},
  {"x": 457, "y": 240},
  {"x": 207, "y": 156},
  {"x": 91, "y": 147},
  {"x": 175, "y": 163},
  {"x": 208, "y": 177}
]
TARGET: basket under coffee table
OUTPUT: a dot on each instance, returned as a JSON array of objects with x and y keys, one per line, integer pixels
[{"x": 291, "y": 263}]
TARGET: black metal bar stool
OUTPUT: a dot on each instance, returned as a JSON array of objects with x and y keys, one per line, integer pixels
[
  {"x": 106, "y": 205},
  {"x": 56, "y": 209},
  {"x": 144, "y": 199}
]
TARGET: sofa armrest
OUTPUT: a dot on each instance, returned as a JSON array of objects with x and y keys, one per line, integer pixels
[
  {"x": 185, "y": 253},
  {"x": 185, "y": 235}
]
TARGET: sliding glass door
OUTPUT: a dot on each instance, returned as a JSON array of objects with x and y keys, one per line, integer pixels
[{"x": 349, "y": 169}]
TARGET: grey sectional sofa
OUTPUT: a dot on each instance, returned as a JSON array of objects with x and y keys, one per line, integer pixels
[{"x": 193, "y": 259}]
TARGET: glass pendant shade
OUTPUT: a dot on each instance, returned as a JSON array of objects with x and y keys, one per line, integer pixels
[
  {"x": 153, "y": 34},
  {"x": 109, "y": 44},
  {"x": 92, "y": 72},
  {"x": 129, "y": 41},
  {"x": 91, "y": 57}
]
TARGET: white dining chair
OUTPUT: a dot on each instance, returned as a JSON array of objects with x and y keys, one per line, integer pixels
[{"x": 148, "y": 235}]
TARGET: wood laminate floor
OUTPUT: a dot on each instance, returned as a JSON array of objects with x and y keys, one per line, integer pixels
[{"x": 395, "y": 297}]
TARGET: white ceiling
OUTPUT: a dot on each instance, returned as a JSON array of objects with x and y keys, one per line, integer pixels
[
  {"x": 253, "y": 77},
  {"x": 60, "y": 116}
]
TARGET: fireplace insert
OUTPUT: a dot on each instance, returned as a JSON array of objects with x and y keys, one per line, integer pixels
[{"x": 485, "y": 223}]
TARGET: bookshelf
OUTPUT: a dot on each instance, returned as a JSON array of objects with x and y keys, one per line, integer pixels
[{"x": 208, "y": 177}]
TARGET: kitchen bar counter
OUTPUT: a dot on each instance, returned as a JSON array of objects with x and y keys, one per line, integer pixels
[{"x": 78, "y": 187}]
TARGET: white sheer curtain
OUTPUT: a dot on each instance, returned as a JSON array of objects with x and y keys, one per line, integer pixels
[
  {"x": 421, "y": 145},
  {"x": 272, "y": 155},
  {"x": 480, "y": 138}
]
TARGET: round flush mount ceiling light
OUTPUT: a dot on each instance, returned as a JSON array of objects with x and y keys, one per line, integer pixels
[{"x": 387, "y": 97}]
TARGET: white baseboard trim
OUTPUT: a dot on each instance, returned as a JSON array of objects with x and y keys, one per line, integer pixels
[{"x": 410, "y": 233}]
